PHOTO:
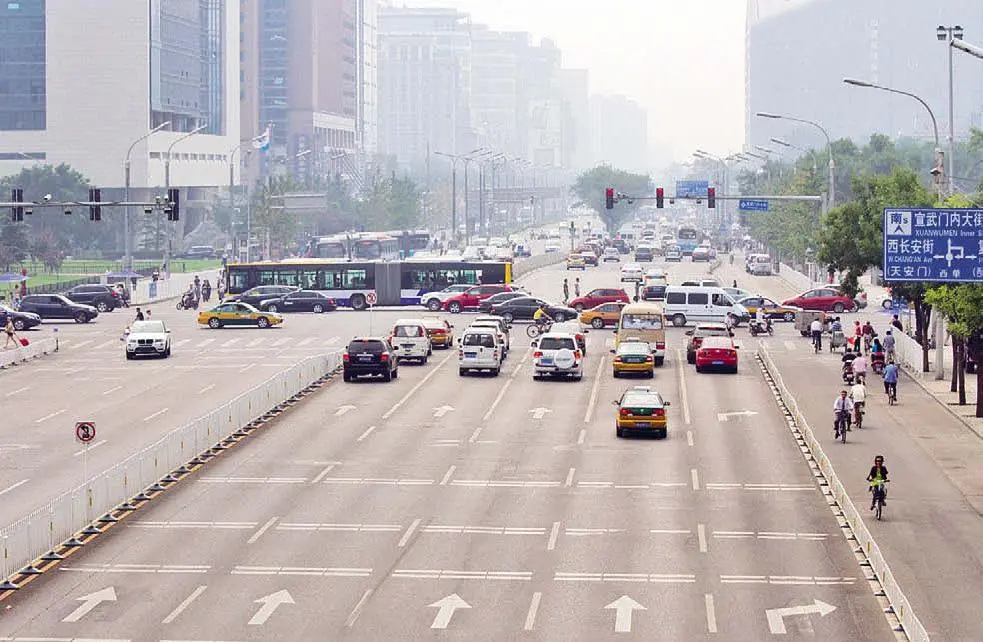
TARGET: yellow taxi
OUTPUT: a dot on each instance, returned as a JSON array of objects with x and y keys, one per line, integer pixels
[
  {"x": 576, "y": 262},
  {"x": 772, "y": 310},
  {"x": 633, "y": 356},
  {"x": 642, "y": 410},
  {"x": 603, "y": 314},
  {"x": 236, "y": 313},
  {"x": 441, "y": 332}
]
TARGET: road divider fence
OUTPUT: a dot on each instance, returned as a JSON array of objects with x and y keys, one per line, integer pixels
[
  {"x": 861, "y": 539},
  {"x": 799, "y": 281},
  {"x": 33, "y": 350},
  {"x": 86, "y": 509},
  {"x": 521, "y": 267}
]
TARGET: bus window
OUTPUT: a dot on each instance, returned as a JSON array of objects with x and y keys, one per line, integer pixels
[
  {"x": 288, "y": 277},
  {"x": 238, "y": 280},
  {"x": 355, "y": 279},
  {"x": 266, "y": 277}
]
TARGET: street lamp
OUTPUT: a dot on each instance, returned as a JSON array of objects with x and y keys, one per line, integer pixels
[
  {"x": 767, "y": 150},
  {"x": 127, "y": 249},
  {"x": 939, "y": 156},
  {"x": 972, "y": 50},
  {"x": 949, "y": 35},
  {"x": 483, "y": 219},
  {"x": 829, "y": 145},
  {"x": 167, "y": 186}
]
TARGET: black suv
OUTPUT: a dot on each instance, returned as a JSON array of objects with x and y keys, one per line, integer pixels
[
  {"x": 56, "y": 306},
  {"x": 370, "y": 356},
  {"x": 101, "y": 297}
]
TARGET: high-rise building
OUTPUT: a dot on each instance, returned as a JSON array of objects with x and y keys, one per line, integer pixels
[
  {"x": 90, "y": 77},
  {"x": 620, "y": 133},
  {"x": 424, "y": 84},
  {"x": 799, "y": 51},
  {"x": 574, "y": 87},
  {"x": 498, "y": 96},
  {"x": 367, "y": 122},
  {"x": 543, "y": 121}
]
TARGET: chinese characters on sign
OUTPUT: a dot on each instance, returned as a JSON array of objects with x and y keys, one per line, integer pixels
[{"x": 933, "y": 245}]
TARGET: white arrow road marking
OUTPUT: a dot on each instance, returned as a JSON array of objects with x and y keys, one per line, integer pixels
[
  {"x": 539, "y": 413},
  {"x": 623, "y": 608},
  {"x": 343, "y": 410},
  {"x": 270, "y": 604},
  {"x": 91, "y": 601},
  {"x": 725, "y": 416},
  {"x": 441, "y": 411},
  {"x": 776, "y": 617},
  {"x": 445, "y": 610}
]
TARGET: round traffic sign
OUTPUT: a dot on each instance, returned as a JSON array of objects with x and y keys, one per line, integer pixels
[
  {"x": 370, "y": 298},
  {"x": 85, "y": 431}
]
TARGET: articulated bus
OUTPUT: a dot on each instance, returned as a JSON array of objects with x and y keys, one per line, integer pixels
[
  {"x": 365, "y": 246},
  {"x": 687, "y": 238},
  {"x": 411, "y": 241},
  {"x": 357, "y": 284}
]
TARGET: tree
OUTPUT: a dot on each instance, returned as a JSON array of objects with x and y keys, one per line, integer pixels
[
  {"x": 962, "y": 305},
  {"x": 590, "y": 187},
  {"x": 268, "y": 213},
  {"x": 392, "y": 204},
  {"x": 45, "y": 248},
  {"x": 13, "y": 243}
]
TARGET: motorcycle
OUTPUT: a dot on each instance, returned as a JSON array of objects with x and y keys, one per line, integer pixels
[
  {"x": 756, "y": 327},
  {"x": 848, "y": 373},
  {"x": 187, "y": 302}
]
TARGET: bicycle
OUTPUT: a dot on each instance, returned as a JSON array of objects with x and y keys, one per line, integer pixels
[
  {"x": 892, "y": 393},
  {"x": 536, "y": 329},
  {"x": 817, "y": 342},
  {"x": 841, "y": 425},
  {"x": 877, "y": 488},
  {"x": 858, "y": 414}
]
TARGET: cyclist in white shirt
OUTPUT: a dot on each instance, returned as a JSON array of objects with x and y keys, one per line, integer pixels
[
  {"x": 816, "y": 330},
  {"x": 858, "y": 395},
  {"x": 860, "y": 368},
  {"x": 842, "y": 409}
]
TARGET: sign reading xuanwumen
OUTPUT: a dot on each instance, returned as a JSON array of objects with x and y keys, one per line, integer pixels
[{"x": 927, "y": 244}]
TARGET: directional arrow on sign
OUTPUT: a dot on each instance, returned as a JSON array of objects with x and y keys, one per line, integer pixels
[
  {"x": 441, "y": 411},
  {"x": 445, "y": 610},
  {"x": 776, "y": 617},
  {"x": 539, "y": 413},
  {"x": 91, "y": 601},
  {"x": 725, "y": 416},
  {"x": 623, "y": 608},
  {"x": 270, "y": 604},
  {"x": 343, "y": 410}
]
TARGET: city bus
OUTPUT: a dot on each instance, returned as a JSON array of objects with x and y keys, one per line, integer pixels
[
  {"x": 412, "y": 241},
  {"x": 356, "y": 284},
  {"x": 366, "y": 246},
  {"x": 687, "y": 238}
]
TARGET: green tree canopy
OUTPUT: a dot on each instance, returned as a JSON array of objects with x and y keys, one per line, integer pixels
[{"x": 590, "y": 187}]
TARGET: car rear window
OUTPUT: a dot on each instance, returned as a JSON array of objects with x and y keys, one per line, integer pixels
[
  {"x": 641, "y": 322},
  {"x": 711, "y": 331},
  {"x": 479, "y": 340},
  {"x": 365, "y": 347},
  {"x": 556, "y": 343},
  {"x": 408, "y": 331}
]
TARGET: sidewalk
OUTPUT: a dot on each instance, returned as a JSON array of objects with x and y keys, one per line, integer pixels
[{"x": 172, "y": 288}]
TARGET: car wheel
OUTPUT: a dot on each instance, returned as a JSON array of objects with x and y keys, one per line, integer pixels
[
  {"x": 129, "y": 356},
  {"x": 387, "y": 375},
  {"x": 679, "y": 320},
  {"x": 495, "y": 371},
  {"x": 454, "y": 307},
  {"x": 423, "y": 361},
  {"x": 357, "y": 302},
  {"x": 396, "y": 372},
  {"x": 508, "y": 317},
  {"x": 272, "y": 308},
  {"x": 699, "y": 368},
  {"x": 597, "y": 322},
  {"x": 214, "y": 323},
  {"x": 167, "y": 352},
  {"x": 346, "y": 377},
  {"x": 887, "y": 304},
  {"x": 19, "y": 325},
  {"x": 579, "y": 308},
  {"x": 788, "y": 317},
  {"x": 659, "y": 361},
  {"x": 102, "y": 307},
  {"x": 619, "y": 432},
  {"x": 317, "y": 308},
  {"x": 262, "y": 322},
  {"x": 838, "y": 308},
  {"x": 651, "y": 374},
  {"x": 462, "y": 372},
  {"x": 433, "y": 305},
  {"x": 690, "y": 358},
  {"x": 81, "y": 317}
]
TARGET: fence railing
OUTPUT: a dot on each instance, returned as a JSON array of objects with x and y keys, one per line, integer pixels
[
  {"x": 796, "y": 279},
  {"x": 78, "y": 511},
  {"x": 20, "y": 354},
  {"x": 525, "y": 266},
  {"x": 908, "y": 353},
  {"x": 913, "y": 627}
]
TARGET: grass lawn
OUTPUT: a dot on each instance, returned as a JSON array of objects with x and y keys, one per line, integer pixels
[{"x": 79, "y": 268}]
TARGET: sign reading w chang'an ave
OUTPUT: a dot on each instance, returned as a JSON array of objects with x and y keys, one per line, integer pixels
[{"x": 926, "y": 244}]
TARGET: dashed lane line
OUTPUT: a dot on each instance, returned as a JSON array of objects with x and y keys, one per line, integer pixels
[
  {"x": 784, "y": 580},
  {"x": 173, "y": 615},
  {"x": 89, "y": 448},
  {"x": 654, "y": 578},
  {"x": 339, "y": 528},
  {"x": 262, "y": 529},
  {"x": 232, "y": 526},
  {"x": 533, "y": 611},
  {"x": 14, "y": 486},
  {"x": 138, "y": 568},
  {"x": 439, "y": 574},
  {"x": 414, "y": 389},
  {"x": 302, "y": 571}
]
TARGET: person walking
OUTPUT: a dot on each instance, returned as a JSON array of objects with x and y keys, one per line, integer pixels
[
  {"x": 139, "y": 316},
  {"x": 566, "y": 290},
  {"x": 8, "y": 329},
  {"x": 576, "y": 287}
]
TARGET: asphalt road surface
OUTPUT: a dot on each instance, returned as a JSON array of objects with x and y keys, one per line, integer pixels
[{"x": 436, "y": 507}]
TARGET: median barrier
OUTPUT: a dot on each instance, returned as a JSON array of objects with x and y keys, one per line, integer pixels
[
  {"x": 525, "y": 266},
  {"x": 850, "y": 517},
  {"x": 908, "y": 354},
  {"x": 86, "y": 509},
  {"x": 799, "y": 281},
  {"x": 33, "y": 350}
]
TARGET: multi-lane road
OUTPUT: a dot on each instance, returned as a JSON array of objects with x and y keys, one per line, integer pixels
[{"x": 435, "y": 506}]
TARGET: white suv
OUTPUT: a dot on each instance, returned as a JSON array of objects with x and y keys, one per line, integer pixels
[
  {"x": 557, "y": 353},
  {"x": 410, "y": 340},
  {"x": 486, "y": 321},
  {"x": 433, "y": 300},
  {"x": 479, "y": 349}
]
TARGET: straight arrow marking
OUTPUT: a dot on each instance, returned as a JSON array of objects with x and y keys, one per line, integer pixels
[
  {"x": 623, "y": 608},
  {"x": 91, "y": 601},
  {"x": 343, "y": 410},
  {"x": 441, "y": 411},
  {"x": 270, "y": 603},
  {"x": 539, "y": 413},
  {"x": 445, "y": 610}
]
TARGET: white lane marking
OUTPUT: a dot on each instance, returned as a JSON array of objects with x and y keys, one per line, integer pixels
[
  {"x": 80, "y": 343},
  {"x": 206, "y": 388},
  {"x": 447, "y": 476},
  {"x": 17, "y": 485},
  {"x": 474, "y": 436},
  {"x": 413, "y": 390},
  {"x": 365, "y": 435},
  {"x": 247, "y": 526},
  {"x": 592, "y": 402},
  {"x": 182, "y": 342},
  {"x": 786, "y": 580},
  {"x": 696, "y": 478},
  {"x": 155, "y": 415},
  {"x": 137, "y": 568},
  {"x": 498, "y": 399},
  {"x": 17, "y": 392},
  {"x": 205, "y": 343},
  {"x": 331, "y": 341},
  {"x": 247, "y": 368},
  {"x": 340, "y": 528},
  {"x": 280, "y": 342},
  {"x": 660, "y": 578},
  {"x": 51, "y": 416},
  {"x": 79, "y": 453},
  {"x": 441, "y": 574},
  {"x": 533, "y": 610},
  {"x": 254, "y": 343},
  {"x": 569, "y": 482},
  {"x": 683, "y": 395},
  {"x": 689, "y": 437},
  {"x": 262, "y": 529},
  {"x": 409, "y": 533},
  {"x": 358, "y": 608},
  {"x": 112, "y": 390},
  {"x": 669, "y": 531},
  {"x": 305, "y": 342},
  {"x": 711, "y": 614},
  {"x": 582, "y": 437},
  {"x": 302, "y": 571},
  {"x": 554, "y": 534},
  {"x": 173, "y": 615},
  {"x": 231, "y": 342},
  {"x": 321, "y": 475},
  {"x": 103, "y": 346},
  {"x": 482, "y": 530},
  {"x": 701, "y": 534}
]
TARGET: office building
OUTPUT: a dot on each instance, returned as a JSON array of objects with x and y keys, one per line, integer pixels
[
  {"x": 92, "y": 76},
  {"x": 498, "y": 95},
  {"x": 620, "y": 133},
  {"x": 573, "y": 85}
]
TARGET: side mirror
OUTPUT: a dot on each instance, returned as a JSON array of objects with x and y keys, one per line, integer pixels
[
  {"x": 689, "y": 333},
  {"x": 450, "y": 325},
  {"x": 615, "y": 403},
  {"x": 612, "y": 351},
  {"x": 666, "y": 403},
  {"x": 737, "y": 347},
  {"x": 534, "y": 344}
]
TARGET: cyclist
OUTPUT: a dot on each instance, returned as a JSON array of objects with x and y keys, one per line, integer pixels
[
  {"x": 889, "y": 343},
  {"x": 541, "y": 317},
  {"x": 816, "y": 328},
  {"x": 891, "y": 380},
  {"x": 842, "y": 408},
  {"x": 860, "y": 367},
  {"x": 877, "y": 476},
  {"x": 858, "y": 395}
]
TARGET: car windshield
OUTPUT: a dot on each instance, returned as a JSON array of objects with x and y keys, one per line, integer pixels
[
  {"x": 408, "y": 331},
  {"x": 641, "y": 322},
  {"x": 556, "y": 343},
  {"x": 147, "y": 326}
]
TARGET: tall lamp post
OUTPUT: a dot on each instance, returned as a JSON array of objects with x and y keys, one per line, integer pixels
[
  {"x": 483, "y": 217},
  {"x": 785, "y": 143},
  {"x": 127, "y": 242},
  {"x": 949, "y": 35},
  {"x": 468, "y": 158},
  {"x": 829, "y": 145},
  {"x": 454, "y": 158},
  {"x": 167, "y": 186},
  {"x": 939, "y": 170}
]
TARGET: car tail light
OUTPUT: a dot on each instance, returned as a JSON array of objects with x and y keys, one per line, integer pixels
[
  {"x": 438, "y": 332},
  {"x": 494, "y": 354},
  {"x": 345, "y": 357},
  {"x": 617, "y": 359},
  {"x": 460, "y": 354},
  {"x": 384, "y": 356},
  {"x": 659, "y": 412},
  {"x": 697, "y": 342},
  {"x": 114, "y": 293},
  {"x": 576, "y": 354},
  {"x": 537, "y": 354},
  {"x": 625, "y": 412},
  {"x": 649, "y": 359}
]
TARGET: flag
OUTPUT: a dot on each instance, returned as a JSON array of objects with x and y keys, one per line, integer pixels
[{"x": 262, "y": 142}]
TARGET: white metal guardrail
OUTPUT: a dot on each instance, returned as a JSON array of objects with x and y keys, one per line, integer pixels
[
  {"x": 20, "y": 354},
  {"x": 908, "y": 353},
  {"x": 913, "y": 628},
  {"x": 61, "y": 520},
  {"x": 793, "y": 277}
]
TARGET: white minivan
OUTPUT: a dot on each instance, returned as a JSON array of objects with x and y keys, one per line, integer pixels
[
  {"x": 479, "y": 349},
  {"x": 410, "y": 340},
  {"x": 691, "y": 303}
]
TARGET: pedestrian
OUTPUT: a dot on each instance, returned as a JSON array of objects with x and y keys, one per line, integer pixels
[
  {"x": 206, "y": 290},
  {"x": 735, "y": 283},
  {"x": 576, "y": 287},
  {"x": 147, "y": 314},
  {"x": 896, "y": 322},
  {"x": 858, "y": 333},
  {"x": 8, "y": 329},
  {"x": 566, "y": 290},
  {"x": 139, "y": 316},
  {"x": 197, "y": 290}
]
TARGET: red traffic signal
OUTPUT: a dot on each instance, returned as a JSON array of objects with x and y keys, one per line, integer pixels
[
  {"x": 660, "y": 196},
  {"x": 712, "y": 197},
  {"x": 609, "y": 198}
]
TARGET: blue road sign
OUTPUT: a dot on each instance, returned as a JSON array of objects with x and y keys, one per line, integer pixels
[
  {"x": 692, "y": 189},
  {"x": 753, "y": 205},
  {"x": 925, "y": 244}
]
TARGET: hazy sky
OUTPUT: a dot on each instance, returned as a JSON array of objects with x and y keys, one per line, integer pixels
[{"x": 683, "y": 60}]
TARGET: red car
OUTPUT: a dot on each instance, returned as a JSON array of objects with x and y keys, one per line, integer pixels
[
  {"x": 827, "y": 299},
  {"x": 472, "y": 297},
  {"x": 716, "y": 352},
  {"x": 596, "y": 297}
]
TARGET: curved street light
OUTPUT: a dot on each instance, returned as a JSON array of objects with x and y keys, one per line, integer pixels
[{"x": 829, "y": 145}]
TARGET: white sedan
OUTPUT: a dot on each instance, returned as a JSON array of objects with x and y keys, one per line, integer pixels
[
  {"x": 631, "y": 272},
  {"x": 148, "y": 338}
]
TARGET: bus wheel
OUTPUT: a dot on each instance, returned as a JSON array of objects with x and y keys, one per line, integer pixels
[{"x": 357, "y": 302}]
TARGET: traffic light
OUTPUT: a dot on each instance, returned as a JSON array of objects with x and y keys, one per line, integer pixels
[
  {"x": 174, "y": 204},
  {"x": 609, "y": 198},
  {"x": 660, "y": 198},
  {"x": 95, "y": 211},
  {"x": 712, "y": 197},
  {"x": 17, "y": 212}
]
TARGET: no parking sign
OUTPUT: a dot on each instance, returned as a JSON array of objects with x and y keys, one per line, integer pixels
[{"x": 85, "y": 431}]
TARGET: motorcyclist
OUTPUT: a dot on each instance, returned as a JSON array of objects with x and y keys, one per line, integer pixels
[
  {"x": 847, "y": 369},
  {"x": 842, "y": 409},
  {"x": 877, "y": 476}
]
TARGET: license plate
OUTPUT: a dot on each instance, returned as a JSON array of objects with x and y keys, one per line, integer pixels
[
  {"x": 470, "y": 355},
  {"x": 546, "y": 362},
  {"x": 718, "y": 363},
  {"x": 407, "y": 346},
  {"x": 643, "y": 424},
  {"x": 365, "y": 357}
]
